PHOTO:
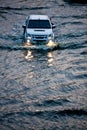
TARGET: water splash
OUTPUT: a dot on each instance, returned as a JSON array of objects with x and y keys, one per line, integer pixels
[{"x": 32, "y": 47}]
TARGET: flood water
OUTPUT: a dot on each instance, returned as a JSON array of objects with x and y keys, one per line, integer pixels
[{"x": 43, "y": 89}]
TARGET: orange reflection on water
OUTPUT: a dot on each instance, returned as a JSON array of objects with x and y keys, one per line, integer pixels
[
  {"x": 51, "y": 44},
  {"x": 28, "y": 55},
  {"x": 50, "y": 58}
]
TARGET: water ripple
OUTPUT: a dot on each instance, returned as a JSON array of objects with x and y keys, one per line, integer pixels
[
  {"x": 23, "y": 8},
  {"x": 51, "y": 115}
]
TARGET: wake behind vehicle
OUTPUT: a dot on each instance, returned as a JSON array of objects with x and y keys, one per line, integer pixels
[{"x": 38, "y": 29}]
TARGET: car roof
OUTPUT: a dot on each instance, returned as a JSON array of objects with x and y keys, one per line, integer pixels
[{"x": 40, "y": 17}]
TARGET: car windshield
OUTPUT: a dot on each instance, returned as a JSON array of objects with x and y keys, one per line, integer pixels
[{"x": 39, "y": 24}]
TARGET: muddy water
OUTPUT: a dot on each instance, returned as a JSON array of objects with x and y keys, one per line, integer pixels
[{"x": 41, "y": 89}]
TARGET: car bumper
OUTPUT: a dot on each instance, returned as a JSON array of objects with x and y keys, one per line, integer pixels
[{"x": 37, "y": 40}]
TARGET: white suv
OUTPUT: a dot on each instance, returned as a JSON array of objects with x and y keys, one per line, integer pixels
[{"x": 38, "y": 29}]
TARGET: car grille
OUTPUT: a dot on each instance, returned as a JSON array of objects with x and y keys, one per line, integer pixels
[{"x": 39, "y": 37}]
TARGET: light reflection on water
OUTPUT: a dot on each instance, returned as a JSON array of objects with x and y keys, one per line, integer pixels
[
  {"x": 50, "y": 58},
  {"x": 28, "y": 55}
]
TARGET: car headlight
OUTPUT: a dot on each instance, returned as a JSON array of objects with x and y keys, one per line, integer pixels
[
  {"x": 50, "y": 36},
  {"x": 28, "y": 37}
]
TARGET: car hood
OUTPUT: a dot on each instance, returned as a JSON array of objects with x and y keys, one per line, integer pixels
[{"x": 39, "y": 31}]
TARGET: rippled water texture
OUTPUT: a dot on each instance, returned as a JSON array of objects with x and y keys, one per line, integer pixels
[{"x": 43, "y": 89}]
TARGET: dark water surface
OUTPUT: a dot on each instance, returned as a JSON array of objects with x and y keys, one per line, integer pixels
[{"x": 43, "y": 90}]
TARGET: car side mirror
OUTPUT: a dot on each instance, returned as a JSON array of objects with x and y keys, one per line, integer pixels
[
  {"x": 53, "y": 25},
  {"x": 23, "y": 26}
]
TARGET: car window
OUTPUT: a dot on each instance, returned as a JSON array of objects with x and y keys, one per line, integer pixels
[{"x": 39, "y": 24}]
